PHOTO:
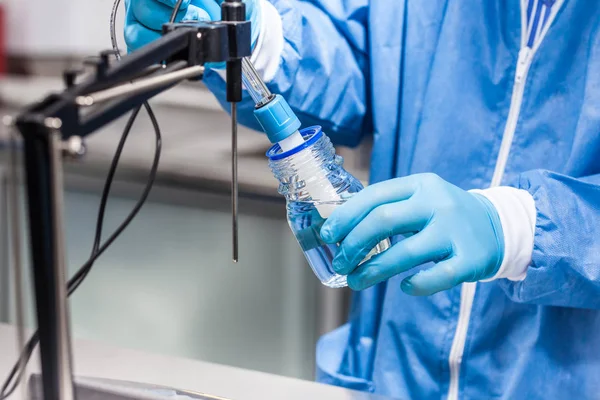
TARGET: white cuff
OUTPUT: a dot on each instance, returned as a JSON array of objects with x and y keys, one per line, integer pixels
[
  {"x": 266, "y": 55},
  {"x": 516, "y": 209}
]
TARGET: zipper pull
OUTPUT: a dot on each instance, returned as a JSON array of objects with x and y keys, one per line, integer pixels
[{"x": 522, "y": 63}]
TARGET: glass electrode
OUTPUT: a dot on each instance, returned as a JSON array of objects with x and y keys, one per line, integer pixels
[{"x": 254, "y": 84}]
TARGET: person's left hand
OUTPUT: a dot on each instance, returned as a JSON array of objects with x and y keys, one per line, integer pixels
[{"x": 459, "y": 231}]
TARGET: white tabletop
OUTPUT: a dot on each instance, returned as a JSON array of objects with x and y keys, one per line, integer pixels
[{"x": 98, "y": 360}]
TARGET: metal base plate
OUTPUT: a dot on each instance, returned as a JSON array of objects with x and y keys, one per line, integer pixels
[{"x": 107, "y": 389}]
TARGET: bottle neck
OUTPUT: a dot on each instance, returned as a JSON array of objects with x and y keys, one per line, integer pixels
[{"x": 304, "y": 173}]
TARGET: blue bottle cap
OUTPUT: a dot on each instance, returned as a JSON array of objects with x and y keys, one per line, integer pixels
[
  {"x": 310, "y": 135},
  {"x": 277, "y": 119}
]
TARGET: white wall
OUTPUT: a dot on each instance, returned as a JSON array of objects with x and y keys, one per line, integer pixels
[{"x": 59, "y": 27}]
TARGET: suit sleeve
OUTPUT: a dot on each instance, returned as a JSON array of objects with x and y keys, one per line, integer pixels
[
  {"x": 320, "y": 67},
  {"x": 565, "y": 261}
]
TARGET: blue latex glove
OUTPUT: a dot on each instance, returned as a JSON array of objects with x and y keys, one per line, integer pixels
[
  {"x": 144, "y": 18},
  {"x": 459, "y": 231}
]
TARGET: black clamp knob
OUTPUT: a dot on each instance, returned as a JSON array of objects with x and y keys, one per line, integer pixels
[
  {"x": 234, "y": 11},
  {"x": 70, "y": 75}
]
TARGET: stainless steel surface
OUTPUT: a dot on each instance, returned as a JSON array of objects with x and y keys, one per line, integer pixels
[
  {"x": 102, "y": 361},
  {"x": 234, "y": 181},
  {"x": 139, "y": 86},
  {"x": 61, "y": 312},
  {"x": 111, "y": 389}
]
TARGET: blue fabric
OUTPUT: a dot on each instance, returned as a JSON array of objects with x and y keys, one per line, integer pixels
[
  {"x": 461, "y": 231},
  {"x": 432, "y": 82},
  {"x": 529, "y": 10},
  {"x": 537, "y": 19}
]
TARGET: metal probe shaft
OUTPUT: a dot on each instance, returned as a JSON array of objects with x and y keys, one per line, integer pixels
[
  {"x": 234, "y": 11},
  {"x": 234, "y": 180}
]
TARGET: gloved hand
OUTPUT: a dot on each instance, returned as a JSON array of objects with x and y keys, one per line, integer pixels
[
  {"x": 144, "y": 18},
  {"x": 458, "y": 230}
]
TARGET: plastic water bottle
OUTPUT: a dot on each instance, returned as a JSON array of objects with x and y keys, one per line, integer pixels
[{"x": 314, "y": 183}]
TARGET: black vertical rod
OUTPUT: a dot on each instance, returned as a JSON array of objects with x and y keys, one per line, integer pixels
[
  {"x": 235, "y": 11},
  {"x": 44, "y": 188},
  {"x": 234, "y": 183}
]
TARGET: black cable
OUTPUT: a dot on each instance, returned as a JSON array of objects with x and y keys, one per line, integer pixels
[
  {"x": 76, "y": 280},
  {"x": 25, "y": 355},
  {"x": 175, "y": 11}
]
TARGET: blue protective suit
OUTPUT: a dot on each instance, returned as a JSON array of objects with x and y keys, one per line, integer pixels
[{"x": 433, "y": 81}]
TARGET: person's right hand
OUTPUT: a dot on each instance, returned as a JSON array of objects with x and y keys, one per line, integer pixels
[{"x": 144, "y": 18}]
